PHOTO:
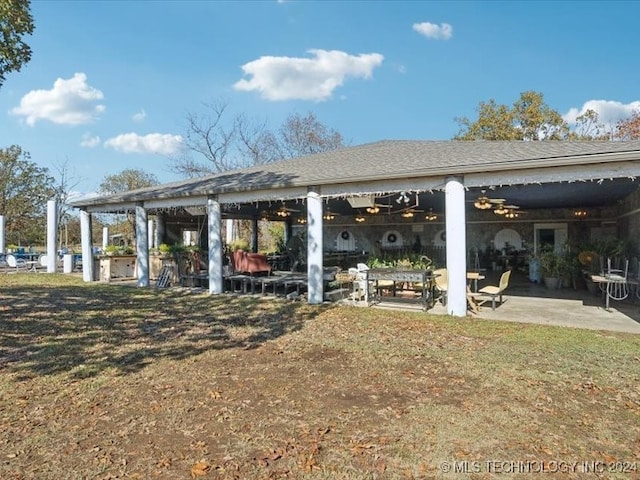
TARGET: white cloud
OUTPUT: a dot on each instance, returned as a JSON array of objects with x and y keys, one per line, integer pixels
[
  {"x": 90, "y": 141},
  {"x": 287, "y": 78},
  {"x": 139, "y": 116},
  {"x": 163, "y": 144},
  {"x": 609, "y": 111},
  {"x": 69, "y": 102},
  {"x": 444, "y": 31}
]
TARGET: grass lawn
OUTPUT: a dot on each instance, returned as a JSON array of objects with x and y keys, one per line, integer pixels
[{"x": 105, "y": 381}]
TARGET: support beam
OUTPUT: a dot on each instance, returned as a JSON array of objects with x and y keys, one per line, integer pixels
[
  {"x": 254, "y": 235},
  {"x": 105, "y": 238},
  {"x": 214, "y": 212},
  {"x": 52, "y": 235},
  {"x": 314, "y": 246},
  {"x": 160, "y": 229},
  {"x": 87, "y": 246},
  {"x": 229, "y": 224},
  {"x": 151, "y": 234},
  {"x": 142, "y": 246},
  {"x": 2, "y": 237},
  {"x": 456, "y": 246}
]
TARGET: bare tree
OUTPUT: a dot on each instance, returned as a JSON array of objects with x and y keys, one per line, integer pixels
[
  {"x": 306, "y": 135},
  {"x": 215, "y": 144},
  {"x": 65, "y": 185},
  {"x": 207, "y": 138}
]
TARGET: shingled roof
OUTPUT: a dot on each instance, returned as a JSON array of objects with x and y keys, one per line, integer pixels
[{"x": 389, "y": 159}]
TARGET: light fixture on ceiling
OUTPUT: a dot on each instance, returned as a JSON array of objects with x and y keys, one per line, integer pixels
[
  {"x": 373, "y": 210},
  {"x": 511, "y": 213},
  {"x": 360, "y": 218},
  {"x": 302, "y": 220},
  {"x": 431, "y": 216},
  {"x": 283, "y": 213},
  {"x": 500, "y": 210},
  {"x": 580, "y": 213},
  {"x": 403, "y": 198},
  {"x": 328, "y": 216},
  {"x": 408, "y": 214},
  {"x": 485, "y": 203}
]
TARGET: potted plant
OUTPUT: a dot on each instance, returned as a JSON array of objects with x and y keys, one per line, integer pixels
[
  {"x": 164, "y": 249},
  {"x": 112, "y": 250},
  {"x": 551, "y": 266}
]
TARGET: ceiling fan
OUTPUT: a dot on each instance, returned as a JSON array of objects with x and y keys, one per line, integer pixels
[
  {"x": 485, "y": 203},
  {"x": 502, "y": 209},
  {"x": 410, "y": 212},
  {"x": 285, "y": 211}
]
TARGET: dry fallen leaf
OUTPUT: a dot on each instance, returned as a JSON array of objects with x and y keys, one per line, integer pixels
[{"x": 200, "y": 469}]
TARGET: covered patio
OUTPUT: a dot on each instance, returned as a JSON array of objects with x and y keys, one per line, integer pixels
[{"x": 426, "y": 196}]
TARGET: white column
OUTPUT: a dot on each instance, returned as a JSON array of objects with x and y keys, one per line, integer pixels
[
  {"x": 456, "y": 244},
  {"x": 215, "y": 246},
  {"x": 87, "y": 246},
  {"x": 2, "y": 237},
  {"x": 142, "y": 246},
  {"x": 314, "y": 246},
  {"x": 52, "y": 235},
  {"x": 151, "y": 234},
  {"x": 105, "y": 238},
  {"x": 160, "y": 228},
  {"x": 229, "y": 232}
]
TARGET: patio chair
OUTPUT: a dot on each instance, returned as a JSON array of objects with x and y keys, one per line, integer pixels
[
  {"x": 496, "y": 291},
  {"x": 19, "y": 264},
  {"x": 617, "y": 281},
  {"x": 441, "y": 279}
]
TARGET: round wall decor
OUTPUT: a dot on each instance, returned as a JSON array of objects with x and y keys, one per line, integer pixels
[
  {"x": 391, "y": 238},
  {"x": 345, "y": 235}
]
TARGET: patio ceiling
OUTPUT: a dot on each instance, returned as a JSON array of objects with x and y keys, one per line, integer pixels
[{"x": 533, "y": 196}]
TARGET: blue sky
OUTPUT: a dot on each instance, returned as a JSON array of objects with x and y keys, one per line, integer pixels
[{"x": 110, "y": 83}]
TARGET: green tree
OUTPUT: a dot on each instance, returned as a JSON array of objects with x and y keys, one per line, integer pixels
[
  {"x": 530, "y": 118},
  {"x": 589, "y": 127},
  {"x": 25, "y": 189},
  {"x": 128, "y": 179},
  {"x": 15, "y": 22}
]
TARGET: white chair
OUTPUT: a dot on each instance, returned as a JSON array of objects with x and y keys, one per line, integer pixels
[
  {"x": 43, "y": 263},
  {"x": 360, "y": 284},
  {"x": 18, "y": 263},
  {"x": 617, "y": 286}
]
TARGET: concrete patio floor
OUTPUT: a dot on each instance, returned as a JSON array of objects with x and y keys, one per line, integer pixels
[{"x": 528, "y": 302}]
